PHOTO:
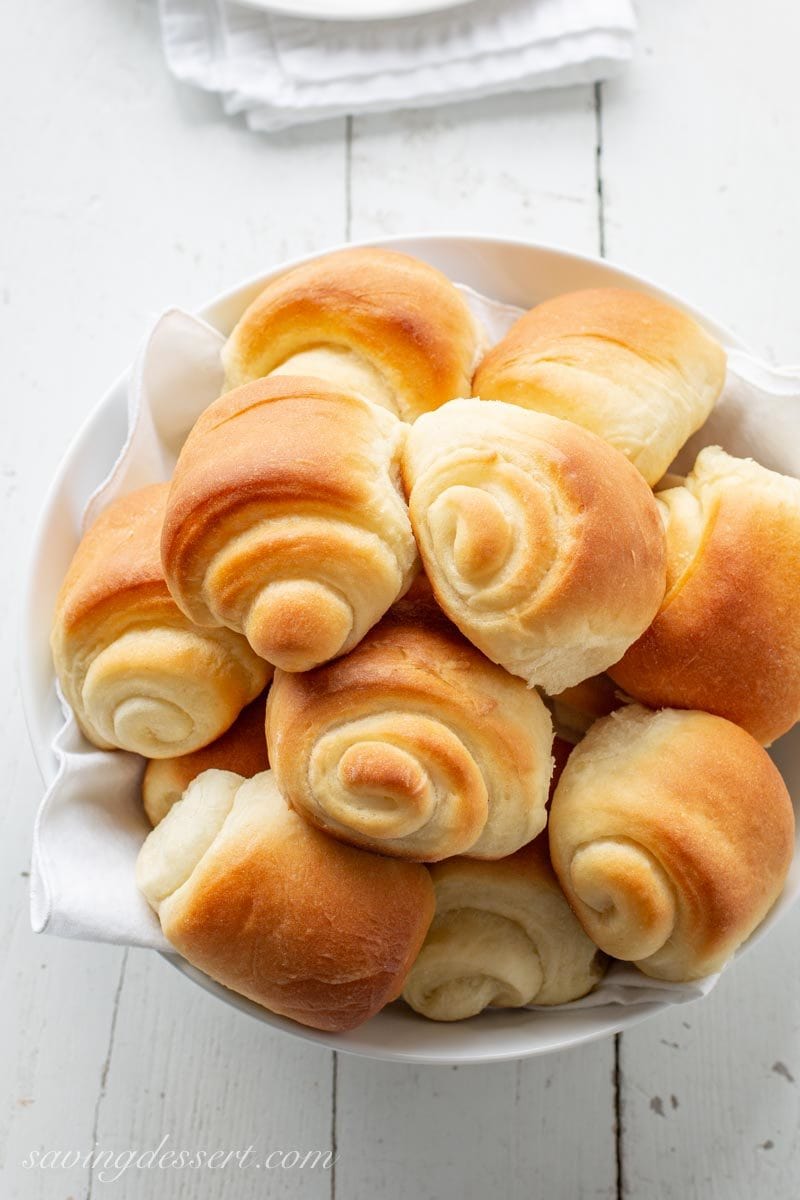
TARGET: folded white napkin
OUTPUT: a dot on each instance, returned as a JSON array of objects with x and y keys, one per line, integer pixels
[
  {"x": 282, "y": 71},
  {"x": 90, "y": 824}
]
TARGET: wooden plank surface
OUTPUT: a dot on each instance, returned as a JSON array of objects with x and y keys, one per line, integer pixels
[{"x": 130, "y": 193}]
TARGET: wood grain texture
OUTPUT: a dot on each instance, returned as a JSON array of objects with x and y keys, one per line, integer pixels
[
  {"x": 429, "y": 1133},
  {"x": 511, "y": 166},
  {"x": 210, "y": 1078},
  {"x": 133, "y": 192}
]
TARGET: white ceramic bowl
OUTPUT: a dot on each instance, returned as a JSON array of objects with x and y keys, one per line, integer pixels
[
  {"x": 518, "y": 273},
  {"x": 354, "y": 10}
]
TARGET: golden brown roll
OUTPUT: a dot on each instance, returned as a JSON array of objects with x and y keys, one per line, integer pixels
[
  {"x": 242, "y": 749},
  {"x": 372, "y": 321},
  {"x": 414, "y": 745},
  {"x": 671, "y": 833},
  {"x": 286, "y": 519},
  {"x": 542, "y": 543},
  {"x": 275, "y": 910},
  {"x": 138, "y": 675},
  {"x": 727, "y": 637},
  {"x": 577, "y": 708},
  {"x": 633, "y": 370},
  {"x": 503, "y": 936}
]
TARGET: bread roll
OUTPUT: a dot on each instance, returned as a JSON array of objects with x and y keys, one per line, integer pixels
[
  {"x": 633, "y": 370},
  {"x": 542, "y": 543},
  {"x": 414, "y": 745},
  {"x": 243, "y": 750},
  {"x": 275, "y": 910},
  {"x": 138, "y": 675},
  {"x": 503, "y": 936},
  {"x": 727, "y": 637},
  {"x": 286, "y": 520},
  {"x": 372, "y": 321},
  {"x": 671, "y": 834},
  {"x": 577, "y": 708}
]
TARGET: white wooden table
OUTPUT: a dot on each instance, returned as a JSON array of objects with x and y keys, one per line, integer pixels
[{"x": 124, "y": 192}]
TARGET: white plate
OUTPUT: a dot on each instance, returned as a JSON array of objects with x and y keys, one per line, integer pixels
[
  {"x": 354, "y": 10},
  {"x": 517, "y": 273}
]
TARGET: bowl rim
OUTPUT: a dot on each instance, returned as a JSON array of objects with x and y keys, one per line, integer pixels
[
  {"x": 217, "y": 311},
  {"x": 315, "y": 9}
]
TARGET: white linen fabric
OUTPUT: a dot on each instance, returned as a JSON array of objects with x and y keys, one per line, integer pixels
[{"x": 282, "y": 71}]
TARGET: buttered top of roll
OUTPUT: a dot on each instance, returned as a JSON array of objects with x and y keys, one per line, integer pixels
[
  {"x": 634, "y": 370},
  {"x": 414, "y": 744},
  {"x": 286, "y": 518},
  {"x": 503, "y": 936},
  {"x": 542, "y": 542},
  {"x": 671, "y": 833},
  {"x": 271, "y": 907},
  {"x": 727, "y": 637},
  {"x": 127, "y": 657},
  {"x": 375, "y": 321}
]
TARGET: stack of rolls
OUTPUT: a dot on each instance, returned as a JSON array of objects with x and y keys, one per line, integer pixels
[{"x": 517, "y": 701}]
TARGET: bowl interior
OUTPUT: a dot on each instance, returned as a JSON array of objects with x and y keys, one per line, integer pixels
[{"x": 516, "y": 273}]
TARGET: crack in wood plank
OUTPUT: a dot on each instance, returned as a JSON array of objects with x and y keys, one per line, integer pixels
[
  {"x": 101, "y": 1092},
  {"x": 598, "y": 168}
]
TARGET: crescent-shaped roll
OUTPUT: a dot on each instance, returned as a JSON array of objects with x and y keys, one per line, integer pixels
[
  {"x": 671, "y": 834},
  {"x": 503, "y": 936},
  {"x": 242, "y": 749},
  {"x": 373, "y": 321},
  {"x": 542, "y": 543},
  {"x": 414, "y": 745},
  {"x": 637, "y": 372},
  {"x": 138, "y": 675},
  {"x": 727, "y": 636},
  {"x": 274, "y": 909},
  {"x": 286, "y": 519}
]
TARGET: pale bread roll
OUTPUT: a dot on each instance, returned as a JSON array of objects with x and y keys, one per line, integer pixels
[
  {"x": 727, "y": 637},
  {"x": 635, "y": 371},
  {"x": 414, "y": 745},
  {"x": 671, "y": 834},
  {"x": 137, "y": 673},
  {"x": 270, "y": 907},
  {"x": 242, "y": 749},
  {"x": 286, "y": 520},
  {"x": 503, "y": 936},
  {"x": 373, "y": 321},
  {"x": 542, "y": 543}
]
